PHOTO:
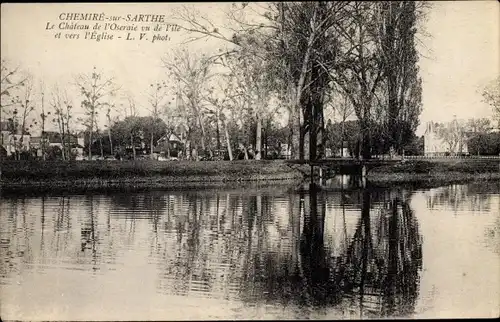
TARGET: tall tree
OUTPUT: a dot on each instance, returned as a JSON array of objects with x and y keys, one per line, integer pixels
[
  {"x": 26, "y": 105},
  {"x": 191, "y": 72},
  {"x": 219, "y": 97},
  {"x": 157, "y": 98},
  {"x": 397, "y": 21},
  {"x": 360, "y": 67},
  {"x": 96, "y": 90},
  {"x": 62, "y": 107},
  {"x": 43, "y": 117},
  {"x": 109, "y": 109}
]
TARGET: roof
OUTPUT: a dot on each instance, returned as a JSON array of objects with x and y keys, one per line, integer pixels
[{"x": 172, "y": 138}]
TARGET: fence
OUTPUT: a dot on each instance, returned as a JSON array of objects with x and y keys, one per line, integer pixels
[{"x": 427, "y": 157}]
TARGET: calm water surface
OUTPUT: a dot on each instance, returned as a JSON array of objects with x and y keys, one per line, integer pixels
[{"x": 269, "y": 253}]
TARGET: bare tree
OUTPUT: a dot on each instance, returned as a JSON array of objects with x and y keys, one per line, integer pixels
[
  {"x": 43, "y": 117},
  {"x": 219, "y": 98},
  {"x": 453, "y": 134},
  {"x": 491, "y": 95},
  {"x": 129, "y": 109},
  {"x": 62, "y": 106},
  {"x": 191, "y": 73},
  {"x": 26, "y": 107},
  {"x": 11, "y": 80},
  {"x": 157, "y": 96},
  {"x": 96, "y": 91}
]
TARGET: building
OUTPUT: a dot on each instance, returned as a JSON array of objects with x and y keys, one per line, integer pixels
[
  {"x": 442, "y": 139},
  {"x": 11, "y": 141},
  {"x": 54, "y": 139},
  {"x": 168, "y": 145}
]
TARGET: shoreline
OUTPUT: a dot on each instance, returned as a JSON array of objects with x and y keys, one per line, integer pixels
[{"x": 87, "y": 177}]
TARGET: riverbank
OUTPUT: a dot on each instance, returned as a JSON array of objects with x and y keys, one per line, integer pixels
[
  {"x": 437, "y": 172},
  {"x": 84, "y": 176},
  {"x": 102, "y": 176}
]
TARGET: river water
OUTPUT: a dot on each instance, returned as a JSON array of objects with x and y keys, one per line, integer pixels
[{"x": 253, "y": 253}]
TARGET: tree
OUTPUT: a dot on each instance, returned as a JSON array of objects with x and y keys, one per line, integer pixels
[
  {"x": 26, "y": 107},
  {"x": 402, "y": 86},
  {"x": 11, "y": 79},
  {"x": 491, "y": 95},
  {"x": 43, "y": 117},
  {"x": 360, "y": 67},
  {"x": 307, "y": 45},
  {"x": 478, "y": 125},
  {"x": 191, "y": 73},
  {"x": 453, "y": 134},
  {"x": 109, "y": 109},
  {"x": 157, "y": 98},
  {"x": 96, "y": 91},
  {"x": 62, "y": 107},
  {"x": 219, "y": 97},
  {"x": 252, "y": 82}
]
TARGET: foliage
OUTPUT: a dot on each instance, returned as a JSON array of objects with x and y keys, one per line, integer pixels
[
  {"x": 491, "y": 95},
  {"x": 484, "y": 144}
]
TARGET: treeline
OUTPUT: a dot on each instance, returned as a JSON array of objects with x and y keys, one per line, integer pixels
[{"x": 284, "y": 67}]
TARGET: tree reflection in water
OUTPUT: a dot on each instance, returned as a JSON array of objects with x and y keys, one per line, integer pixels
[{"x": 243, "y": 251}]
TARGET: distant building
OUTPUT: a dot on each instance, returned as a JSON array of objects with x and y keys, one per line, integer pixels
[
  {"x": 54, "y": 139},
  {"x": 11, "y": 140},
  {"x": 171, "y": 144},
  {"x": 442, "y": 139}
]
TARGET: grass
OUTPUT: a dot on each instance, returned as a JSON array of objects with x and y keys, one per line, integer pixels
[
  {"x": 141, "y": 174},
  {"x": 83, "y": 176},
  {"x": 143, "y": 168},
  {"x": 438, "y": 171}
]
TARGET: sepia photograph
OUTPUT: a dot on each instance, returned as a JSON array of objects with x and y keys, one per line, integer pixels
[{"x": 250, "y": 160}]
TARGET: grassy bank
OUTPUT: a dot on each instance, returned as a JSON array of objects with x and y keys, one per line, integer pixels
[
  {"x": 84, "y": 176},
  {"x": 436, "y": 172}
]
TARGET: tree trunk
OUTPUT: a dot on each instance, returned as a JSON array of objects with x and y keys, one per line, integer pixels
[
  {"x": 246, "y": 152},
  {"x": 258, "y": 139},
  {"x": 302, "y": 136},
  {"x": 342, "y": 130},
  {"x": 63, "y": 137},
  {"x": 91, "y": 128},
  {"x": 365, "y": 140},
  {"x": 203, "y": 146},
  {"x": 217, "y": 131},
  {"x": 313, "y": 131},
  {"x": 152, "y": 149},
  {"x": 266, "y": 139},
  {"x": 100, "y": 143},
  {"x": 133, "y": 145},
  {"x": 110, "y": 140},
  {"x": 228, "y": 142},
  {"x": 295, "y": 133}
]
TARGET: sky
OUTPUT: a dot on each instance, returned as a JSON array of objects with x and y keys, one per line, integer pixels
[{"x": 460, "y": 55}]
